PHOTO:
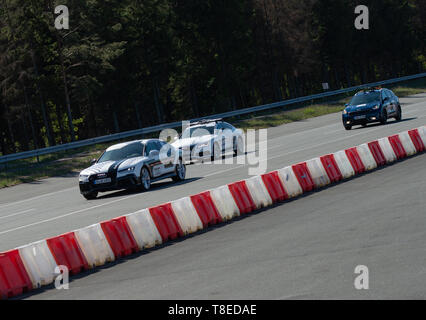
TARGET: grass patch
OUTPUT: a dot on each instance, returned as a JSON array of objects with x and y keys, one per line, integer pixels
[{"x": 73, "y": 161}]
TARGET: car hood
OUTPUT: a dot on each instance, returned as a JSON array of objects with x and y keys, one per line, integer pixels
[
  {"x": 361, "y": 107},
  {"x": 186, "y": 142},
  {"x": 107, "y": 166}
]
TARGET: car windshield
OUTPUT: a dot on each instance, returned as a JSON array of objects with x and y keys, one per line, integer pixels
[
  {"x": 365, "y": 98},
  {"x": 198, "y": 131},
  {"x": 130, "y": 151}
]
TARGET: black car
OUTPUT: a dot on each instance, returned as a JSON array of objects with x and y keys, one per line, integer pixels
[{"x": 371, "y": 105}]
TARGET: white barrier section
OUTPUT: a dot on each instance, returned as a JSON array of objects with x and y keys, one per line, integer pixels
[
  {"x": 39, "y": 262},
  {"x": 290, "y": 182},
  {"x": 422, "y": 133},
  {"x": 258, "y": 192},
  {"x": 224, "y": 202},
  {"x": 186, "y": 215},
  {"x": 366, "y": 157},
  {"x": 387, "y": 150},
  {"x": 143, "y": 228},
  {"x": 407, "y": 143},
  {"x": 318, "y": 173},
  {"x": 94, "y": 245},
  {"x": 344, "y": 164}
]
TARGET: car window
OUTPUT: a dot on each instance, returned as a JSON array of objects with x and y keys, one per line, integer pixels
[
  {"x": 149, "y": 147},
  {"x": 228, "y": 126},
  {"x": 129, "y": 151},
  {"x": 198, "y": 131},
  {"x": 365, "y": 98}
]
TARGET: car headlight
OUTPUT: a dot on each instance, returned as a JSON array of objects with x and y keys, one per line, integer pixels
[
  {"x": 345, "y": 111},
  {"x": 129, "y": 169},
  {"x": 83, "y": 178},
  {"x": 376, "y": 107}
]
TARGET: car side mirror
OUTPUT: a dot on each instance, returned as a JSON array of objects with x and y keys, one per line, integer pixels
[
  {"x": 93, "y": 161},
  {"x": 346, "y": 104},
  {"x": 153, "y": 153}
]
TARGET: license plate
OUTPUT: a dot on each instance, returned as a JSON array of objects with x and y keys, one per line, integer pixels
[
  {"x": 102, "y": 181},
  {"x": 360, "y": 117}
]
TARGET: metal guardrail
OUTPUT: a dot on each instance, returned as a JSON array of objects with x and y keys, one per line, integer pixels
[{"x": 127, "y": 134}]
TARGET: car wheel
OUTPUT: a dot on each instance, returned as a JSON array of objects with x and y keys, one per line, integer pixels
[
  {"x": 145, "y": 179},
  {"x": 384, "y": 118},
  {"x": 180, "y": 171},
  {"x": 399, "y": 114},
  {"x": 91, "y": 195},
  {"x": 239, "y": 148},
  {"x": 347, "y": 126},
  {"x": 217, "y": 154}
]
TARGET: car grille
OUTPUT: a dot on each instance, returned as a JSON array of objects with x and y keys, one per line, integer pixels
[{"x": 358, "y": 113}]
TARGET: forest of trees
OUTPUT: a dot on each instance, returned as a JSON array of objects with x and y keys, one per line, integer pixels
[{"x": 128, "y": 64}]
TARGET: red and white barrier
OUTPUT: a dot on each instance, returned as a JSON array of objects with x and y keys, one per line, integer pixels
[{"x": 34, "y": 265}]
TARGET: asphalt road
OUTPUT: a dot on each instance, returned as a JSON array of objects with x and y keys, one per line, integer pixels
[
  {"x": 304, "y": 249},
  {"x": 34, "y": 211}
]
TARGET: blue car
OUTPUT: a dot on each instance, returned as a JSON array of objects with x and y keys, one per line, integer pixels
[{"x": 371, "y": 105}]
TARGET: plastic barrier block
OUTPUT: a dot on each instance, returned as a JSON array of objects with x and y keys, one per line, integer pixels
[
  {"x": 67, "y": 252},
  {"x": 206, "y": 208},
  {"x": 422, "y": 133},
  {"x": 387, "y": 150},
  {"x": 39, "y": 263},
  {"x": 166, "y": 222},
  {"x": 318, "y": 173},
  {"x": 94, "y": 245},
  {"x": 224, "y": 202},
  {"x": 303, "y": 176},
  {"x": 186, "y": 215},
  {"x": 14, "y": 279},
  {"x": 355, "y": 160},
  {"x": 258, "y": 192},
  {"x": 290, "y": 182},
  {"x": 144, "y": 229},
  {"x": 331, "y": 167},
  {"x": 397, "y": 147},
  {"x": 377, "y": 153},
  {"x": 417, "y": 140},
  {"x": 344, "y": 164},
  {"x": 274, "y": 186},
  {"x": 407, "y": 143},
  {"x": 119, "y": 237},
  {"x": 242, "y": 196},
  {"x": 366, "y": 157}
]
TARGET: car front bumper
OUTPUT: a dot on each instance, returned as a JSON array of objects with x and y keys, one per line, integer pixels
[
  {"x": 366, "y": 116},
  {"x": 124, "y": 182}
]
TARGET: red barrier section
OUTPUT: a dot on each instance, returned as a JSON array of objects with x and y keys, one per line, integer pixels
[
  {"x": 67, "y": 252},
  {"x": 303, "y": 176},
  {"x": 120, "y": 237},
  {"x": 377, "y": 153},
  {"x": 242, "y": 197},
  {"x": 274, "y": 186},
  {"x": 355, "y": 160},
  {"x": 14, "y": 279},
  {"x": 397, "y": 147},
  {"x": 417, "y": 141},
  {"x": 206, "y": 209},
  {"x": 166, "y": 222},
  {"x": 331, "y": 167}
]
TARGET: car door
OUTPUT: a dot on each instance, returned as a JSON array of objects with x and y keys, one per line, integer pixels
[
  {"x": 168, "y": 160},
  {"x": 392, "y": 103},
  {"x": 153, "y": 153},
  {"x": 386, "y": 102}
]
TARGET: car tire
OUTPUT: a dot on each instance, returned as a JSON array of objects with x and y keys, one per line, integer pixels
[
  {"x": 91, "y": 195},
  {"x": 384, "y": 117},
  {"x": 347, "y": 126},
  {"x": 145, "y": 179},
  {"x": 239, "y": 148},
  {"x": 180, "y": 171},
  {"x": 216, "y": 148},
  {"x": 399, "y": 114}
]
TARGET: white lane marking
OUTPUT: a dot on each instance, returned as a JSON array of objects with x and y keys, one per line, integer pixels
[
  {"x": 34, "y": 198},
  {"x": 17, "y": 214},
  {"x": 66, "y": 215}
]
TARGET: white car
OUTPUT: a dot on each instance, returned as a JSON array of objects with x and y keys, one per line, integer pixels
[
  {"x": 210, "y": 140},
  {"x": 134, "y": 164}
]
